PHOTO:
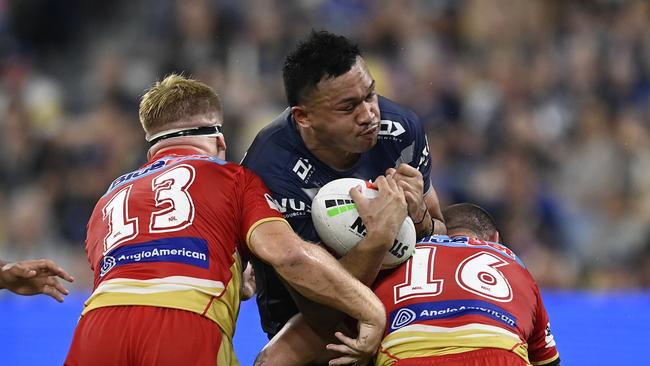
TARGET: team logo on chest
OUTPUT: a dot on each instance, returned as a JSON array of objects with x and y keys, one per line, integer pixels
[
  {"x": 303, "y": 169},
  {"x": 390, "y": 129}
]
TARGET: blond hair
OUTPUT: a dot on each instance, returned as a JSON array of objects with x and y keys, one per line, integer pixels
[{"x": 174, "y": 99}]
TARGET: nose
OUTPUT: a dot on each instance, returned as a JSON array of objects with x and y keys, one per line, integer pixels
[{"x": 366, "y": 113}]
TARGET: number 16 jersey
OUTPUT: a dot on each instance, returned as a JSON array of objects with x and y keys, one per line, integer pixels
[{"x": 462, "y": 294}]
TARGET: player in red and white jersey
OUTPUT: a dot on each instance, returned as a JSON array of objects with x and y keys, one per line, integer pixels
[
  {"x": 167, "y": 241},
  {"x": 464, "y": 299}
]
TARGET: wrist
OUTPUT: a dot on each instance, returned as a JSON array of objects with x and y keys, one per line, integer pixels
[
  {"x": 421, "y": 220},
  {"x": 425, "y": 227},
  {"x": 376, "y": 314},
  {"x": 377, "y": 240}
]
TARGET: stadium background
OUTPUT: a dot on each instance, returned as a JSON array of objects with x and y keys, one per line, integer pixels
[{"x": 537, "y": 110}]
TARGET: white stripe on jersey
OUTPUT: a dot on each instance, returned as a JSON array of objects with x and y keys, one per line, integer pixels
[
  {"x": 477, "y": 330},
  {"x": 158, "y": 285}
]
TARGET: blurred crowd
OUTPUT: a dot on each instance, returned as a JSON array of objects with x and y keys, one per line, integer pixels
[{"x": 537, "y": 110}]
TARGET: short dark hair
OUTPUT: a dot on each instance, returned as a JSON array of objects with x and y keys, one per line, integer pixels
[
  {"x": 469, "y": 217},
  {"x": 321, "y": 54}
]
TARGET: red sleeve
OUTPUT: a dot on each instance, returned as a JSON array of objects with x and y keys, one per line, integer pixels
[
  {"x": 258, "y": 206},
  {"x": 541, "y": 344}
]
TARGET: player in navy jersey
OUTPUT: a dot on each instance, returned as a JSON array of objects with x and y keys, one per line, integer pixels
[
  {"x": 463, "y": 299},
  {"x": 167, "y": 241},
  {"x": 336, "y": 126},
  {"x": 34, "y": 276}
]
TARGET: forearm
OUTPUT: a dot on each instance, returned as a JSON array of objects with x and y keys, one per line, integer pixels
[
  {"x": 424, "y": 226},
  {"x": 296, "y": 344},
  {"x": 433, "y": 221},
  {"x": 318, "y": 276},
  {"x": 364, "y": 260},
  {"x": 429, "y": 225}
]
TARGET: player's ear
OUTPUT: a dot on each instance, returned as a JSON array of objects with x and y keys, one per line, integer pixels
[
  {"x": 301, "y": 116},
  {"x": 494, "y": 237},
  {"x": 221, "y": 147},
  {"x": 149, "y": 154}
]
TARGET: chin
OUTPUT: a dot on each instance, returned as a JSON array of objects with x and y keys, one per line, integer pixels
[{"x": 364, "y": 145}]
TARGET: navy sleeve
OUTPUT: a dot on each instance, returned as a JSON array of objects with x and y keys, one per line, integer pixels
[{"x": 421, "y": 156}]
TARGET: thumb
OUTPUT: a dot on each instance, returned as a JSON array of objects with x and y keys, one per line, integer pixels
[{"x": 357, "y": 196}]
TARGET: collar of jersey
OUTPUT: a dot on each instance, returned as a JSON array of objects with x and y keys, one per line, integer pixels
[{"x": 176, "y": 152}]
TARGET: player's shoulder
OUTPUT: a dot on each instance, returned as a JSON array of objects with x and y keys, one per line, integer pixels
[
  {"x": 390, "y": 109},
  {"x": 397, "y": 121},
  {"x": 276, "y": 149}
]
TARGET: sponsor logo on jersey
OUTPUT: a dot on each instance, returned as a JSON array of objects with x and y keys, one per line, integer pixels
[
  {"x": 464, "y": 241},
  {"x": 273, "y": 204},
  {"x": 289, "y": 207},
  {"x": 303, "y": 169},
  {"x": 402, "y": 318},
  {"x": 390, "y": 128},
  {"x": 186, "y": 250},
  {"x": 450, "y": 309},
  {"x": 155, "y": 166},
  {"x": 137, "y": 174},
  {"x": 107, "y": 264}
]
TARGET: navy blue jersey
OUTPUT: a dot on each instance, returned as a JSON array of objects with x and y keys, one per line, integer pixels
[{"x": 294, "y": 175}]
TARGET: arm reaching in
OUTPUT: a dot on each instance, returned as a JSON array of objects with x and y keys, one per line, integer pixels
[
  {"x": 36, "y": 276},
  {"x": 298, "y": 343},
  {"x": 315, "y": 274}
]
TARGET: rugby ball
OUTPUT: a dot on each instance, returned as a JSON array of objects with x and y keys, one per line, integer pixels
[{"x": 340, "y": 227}]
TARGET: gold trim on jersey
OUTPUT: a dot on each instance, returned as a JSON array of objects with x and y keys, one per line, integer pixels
[
  {"x": 426, "y": 340},
  {"x": 205, "y": 297},
  {"x": 260, "y": 222},
  {"x": 226, "y": 355}
]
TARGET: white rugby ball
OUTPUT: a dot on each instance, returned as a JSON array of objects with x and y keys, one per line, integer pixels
[{"x": 340, "y": 227}]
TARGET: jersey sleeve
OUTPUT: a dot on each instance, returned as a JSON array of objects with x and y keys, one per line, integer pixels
[
  {"x": 421, "y": 156},
  {"x": 258, "y": 206},
  {"x": 541, "y": 344}
]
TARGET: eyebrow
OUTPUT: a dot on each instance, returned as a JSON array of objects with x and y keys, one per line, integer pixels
[{"x": 355, "y": 99}]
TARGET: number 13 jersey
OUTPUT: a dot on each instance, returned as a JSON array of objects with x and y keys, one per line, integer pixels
[{"x": 172, "y": 234}]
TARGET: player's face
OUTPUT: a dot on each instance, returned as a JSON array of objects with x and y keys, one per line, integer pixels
[{"x": 344, "y": 111}]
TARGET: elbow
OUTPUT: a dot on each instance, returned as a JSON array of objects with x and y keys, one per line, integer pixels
[{"x": 295, "y": 253}]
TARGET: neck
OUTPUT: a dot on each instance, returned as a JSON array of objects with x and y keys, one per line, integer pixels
[
  {"x": 161, "y": 149},
  {"x": 461, "y": 232},
  {"x": 334, "y": 158}
]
